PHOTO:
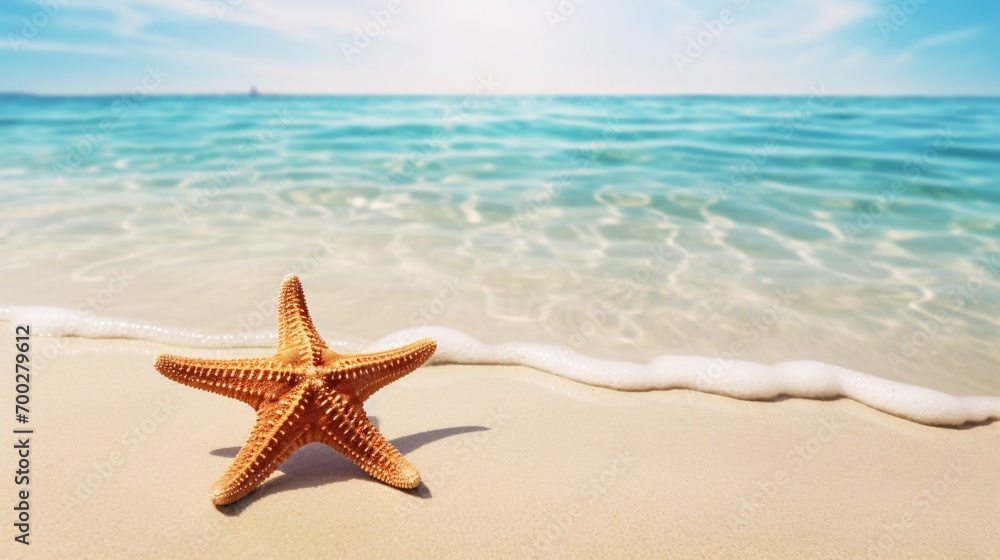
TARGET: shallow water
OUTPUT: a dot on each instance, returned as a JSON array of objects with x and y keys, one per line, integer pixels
[{"x": 862, "y": 232}]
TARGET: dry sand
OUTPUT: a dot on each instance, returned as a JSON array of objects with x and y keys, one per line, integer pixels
[{"x": 515, "y": 463}]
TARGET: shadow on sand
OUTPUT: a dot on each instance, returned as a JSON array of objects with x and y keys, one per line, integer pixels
[{"x": 317, "y": 464}]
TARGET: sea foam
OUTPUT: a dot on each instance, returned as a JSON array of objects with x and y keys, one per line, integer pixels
[{"x": 737, "y": 379}]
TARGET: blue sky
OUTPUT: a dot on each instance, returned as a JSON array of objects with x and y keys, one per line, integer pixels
[{"x": 890, "y": 47}]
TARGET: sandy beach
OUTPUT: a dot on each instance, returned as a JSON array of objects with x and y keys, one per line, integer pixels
[
  {"x": 610, "y": 280},
  {"x": 515, "y": 462}
]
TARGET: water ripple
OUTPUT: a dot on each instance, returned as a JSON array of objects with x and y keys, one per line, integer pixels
[{"x": 676, "y": 219}]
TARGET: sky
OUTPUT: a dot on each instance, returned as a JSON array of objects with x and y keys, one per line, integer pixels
[{"x": 849, "y": 47}]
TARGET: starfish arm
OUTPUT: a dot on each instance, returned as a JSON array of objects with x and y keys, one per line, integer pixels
[
  {"x": 346, "y": 428},
  {"x": 251, "y": 380},
  {"x": 371, "y": 372},
  {"x": 296, "y": 333},
  {"x": 277, "y": 434}
]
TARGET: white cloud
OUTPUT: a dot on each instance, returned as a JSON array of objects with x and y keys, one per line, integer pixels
[
  {"x": 829, "y": 17},
  {"x": 798, "y": 22},
  {"x": 440, "y": 46},
  {"x": 55, "y": 46},
  {"x": 941, "y": 39},
  {"x": 293, "y": 18}
]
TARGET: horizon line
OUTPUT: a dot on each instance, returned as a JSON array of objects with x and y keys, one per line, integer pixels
[{"x": 255, "y": 95}]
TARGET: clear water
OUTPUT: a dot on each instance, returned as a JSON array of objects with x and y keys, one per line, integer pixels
[{"x": 624, "y": 227}]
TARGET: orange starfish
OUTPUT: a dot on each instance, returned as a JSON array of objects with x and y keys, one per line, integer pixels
[{"x": 305, "y": 393}]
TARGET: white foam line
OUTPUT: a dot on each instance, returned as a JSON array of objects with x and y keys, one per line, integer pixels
[
  {"x": 58, "y": 321},
  {"x": 740, "y": 380}
]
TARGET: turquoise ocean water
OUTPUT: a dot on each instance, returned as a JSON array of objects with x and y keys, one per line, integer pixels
[{"x": 863, "y": 232}]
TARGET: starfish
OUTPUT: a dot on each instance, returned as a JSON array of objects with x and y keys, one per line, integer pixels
[{"x": 305, "y": 393}]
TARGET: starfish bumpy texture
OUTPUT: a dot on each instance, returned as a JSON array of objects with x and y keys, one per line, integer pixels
[{"x": 305, "y": 393}]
